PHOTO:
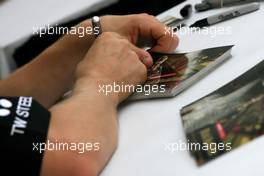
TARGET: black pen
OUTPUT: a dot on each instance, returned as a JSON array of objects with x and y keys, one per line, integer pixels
[{"x": 226, "y": 15}]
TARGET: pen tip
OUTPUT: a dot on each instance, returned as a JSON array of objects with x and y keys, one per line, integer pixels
[{"x": 192, "y": 25}]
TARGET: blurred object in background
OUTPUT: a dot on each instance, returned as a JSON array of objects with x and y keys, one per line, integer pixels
[
  {"x": 211, "y": 4},
  {"x": 153, "y": 7},
  {"x": 186, "y": 11},
  {"x": 1, "y": 1}
]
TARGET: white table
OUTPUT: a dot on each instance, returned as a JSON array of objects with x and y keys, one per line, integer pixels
[
  {"x": 17, "y": 19},
  {"x": 146, "y": 126}
]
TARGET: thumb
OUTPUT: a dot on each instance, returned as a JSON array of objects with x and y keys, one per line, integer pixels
[{"x": 143, "y": 55}]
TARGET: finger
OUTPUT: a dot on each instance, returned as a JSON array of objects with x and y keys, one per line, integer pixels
[
  {"x": 166, "y": 43},
  {"x": 151, "y": 28},
  {"x": 143, "y": 55}
]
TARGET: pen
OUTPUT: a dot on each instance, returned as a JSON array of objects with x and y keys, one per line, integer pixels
[
  {"x": 226, "y": 15},
  {"x": 96, "y": 26},
  {"x": 186, "y": 11},
  {"x": 211, "y": 4}
]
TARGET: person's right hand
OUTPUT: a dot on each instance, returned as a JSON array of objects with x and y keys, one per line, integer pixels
[
  {"x": 89, "y": 116},
  {"x": 112, "y": 59}
]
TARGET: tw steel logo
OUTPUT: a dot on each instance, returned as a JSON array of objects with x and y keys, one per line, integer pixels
[{"x": 5, "y": 106}]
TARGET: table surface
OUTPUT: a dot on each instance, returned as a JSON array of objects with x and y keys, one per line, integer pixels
[{"x": 147, "y": 126}]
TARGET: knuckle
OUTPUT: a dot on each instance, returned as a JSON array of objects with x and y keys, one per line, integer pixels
[
  {"x": 152, "y": 17},
  {"x": 143, "y": 72},
  {"x": 108, "y": 38},
  {"x": 132, "y": 56},
  {"x": 106, "y": 35},
  {"x": 141, "y": 16},
  {"x": 132, "y": 59},
  {"x": 125, "y": 43},
  {"x": 143, "y": 69},
  {"x": 136, "y": 65},
  {"x": 145, "y": 15}
]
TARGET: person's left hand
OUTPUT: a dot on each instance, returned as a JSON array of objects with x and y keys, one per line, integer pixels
[{"x": 141, "y": 27}]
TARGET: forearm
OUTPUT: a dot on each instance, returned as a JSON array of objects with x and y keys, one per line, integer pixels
[
  {"x": 88, "y": 117},
  {"x": 51, "y": 74}
]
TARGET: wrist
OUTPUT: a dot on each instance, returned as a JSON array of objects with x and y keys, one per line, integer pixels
[{"x": 95, "y": 88}]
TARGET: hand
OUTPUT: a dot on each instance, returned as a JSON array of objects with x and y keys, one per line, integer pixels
[
  {"x": 90, "y": 116},
  {"x": 141, "y": 27},
  {"x": 112, "y": 59}
]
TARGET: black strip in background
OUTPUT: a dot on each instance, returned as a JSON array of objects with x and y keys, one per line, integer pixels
[{"x": 35, "y": 45}]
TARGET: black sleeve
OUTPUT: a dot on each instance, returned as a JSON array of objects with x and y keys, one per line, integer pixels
[{"x": 23, "y": 124}]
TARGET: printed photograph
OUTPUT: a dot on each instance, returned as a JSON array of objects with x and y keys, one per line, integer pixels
[
  {"x": 174, "y": 70},
  {"x": 233, "y": 114}
]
